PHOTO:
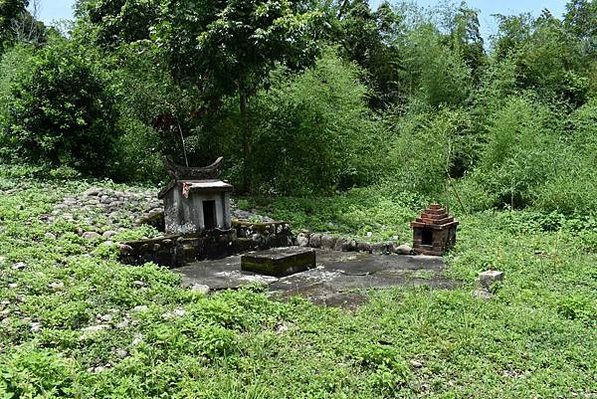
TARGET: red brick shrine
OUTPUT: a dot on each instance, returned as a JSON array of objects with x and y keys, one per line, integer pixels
[{"x": 434, "y": 232}]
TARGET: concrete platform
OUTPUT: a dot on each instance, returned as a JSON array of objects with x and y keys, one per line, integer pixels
[
  {"x": 339, "y": 279},
  {"x": 279, "y": 262}
]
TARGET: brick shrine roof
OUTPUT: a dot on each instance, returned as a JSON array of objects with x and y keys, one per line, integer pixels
[{"x": 434, "y": 217}]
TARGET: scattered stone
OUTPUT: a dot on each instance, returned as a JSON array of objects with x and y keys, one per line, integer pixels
[
  {"x": 342, "y": 244},
  {"x": 250, "y": 215},
  {"x": 200, "y": 288},
  {"x": 327, "y": 242},
  {"x": 482, "y": 293},
  {"x": 379, "y": 248},
  {"x": 137, "y": 340},
  {"x": 315, "y": 241},
  {"x": 56, "y": 286},
  {"x": 95, "y": 205},
  {"x": 96, "y": 328},
  {"x": 125, "y": 249},
  {"x": 416, "y": 364},
  {"x": 90, "y": 235},
  {"x": 486, "y": 282},
  {"x": 19, "y": 266},
  {"x": 179, "y": 312},
  {"x": 352, "y": 245},
  {"x": 105, "y": 318},
  {"x": 281, "y": 328},
  {"x": 404, "y": 249},
  {"x": 50, "y": 236},
  {"x": 363, "y": 247},
  {"x": 176, "y": 313},
  {"x": 35, "y": 327},
  {"x": 302, "y": 240},
  {"x": 256, "y": 239},
  {"x": 490, "y": 277},
  {"x": 121, "y": 353},
  {"x": 109, "y": 234},
  {"x": 139, "y": 309},
  {"x": 139, "y": 283},
  {"x": 12, "y": 286},
  {"x": 123, "y": 324}
]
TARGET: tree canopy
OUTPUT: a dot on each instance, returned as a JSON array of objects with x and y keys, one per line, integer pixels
[{"x": 305, "y": 95}]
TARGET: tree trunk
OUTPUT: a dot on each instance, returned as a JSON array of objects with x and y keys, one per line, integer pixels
[{"x": 246, "y": 138}]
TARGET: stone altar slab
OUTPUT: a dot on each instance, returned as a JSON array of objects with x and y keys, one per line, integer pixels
[{"x": 279, "y": 262}]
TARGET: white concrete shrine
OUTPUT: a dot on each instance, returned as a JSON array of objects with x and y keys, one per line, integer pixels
[{"x": 195, "y": 200}]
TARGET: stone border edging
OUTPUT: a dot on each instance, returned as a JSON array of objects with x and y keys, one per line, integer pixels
[{"x": 343, "y": 244}]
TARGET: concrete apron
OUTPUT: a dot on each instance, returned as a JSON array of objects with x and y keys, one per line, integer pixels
[{"x": 340, "y": 278}]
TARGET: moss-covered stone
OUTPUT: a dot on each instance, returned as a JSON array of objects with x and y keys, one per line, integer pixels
[{"x": 279, "y": 262}]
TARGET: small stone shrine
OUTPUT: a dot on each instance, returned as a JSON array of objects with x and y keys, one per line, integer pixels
[
  {"x": 195, "y": 200},
  {"x": 434, "y": 232}
]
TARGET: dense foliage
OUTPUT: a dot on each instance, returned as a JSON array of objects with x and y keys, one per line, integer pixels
[
  {"x": 58, "y": 109},
  {"x": 311, "y": 97},
  {"x": 9, "y": 12}
]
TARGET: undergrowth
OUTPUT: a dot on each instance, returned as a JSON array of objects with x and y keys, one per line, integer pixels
[{"x": 535, "y": 338}]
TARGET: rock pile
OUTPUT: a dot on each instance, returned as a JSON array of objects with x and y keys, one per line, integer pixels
[
  {"x": 252, "y": 216},
  {"x": 102, "y": 210}
]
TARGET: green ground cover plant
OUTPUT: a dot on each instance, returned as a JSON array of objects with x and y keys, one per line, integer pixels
[
  {"x": 339, "y": 118},
  {"x": 76, "y": 323}
]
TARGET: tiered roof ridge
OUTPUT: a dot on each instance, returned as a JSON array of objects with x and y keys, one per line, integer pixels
[{"x": 435, "y": 216}]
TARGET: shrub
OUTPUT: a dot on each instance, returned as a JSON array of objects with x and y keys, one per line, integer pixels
[
  {"x": 60, "y": 111},
  {"x": 137, "y": 153},
  {"x": 426, "y": 148},
  {"x": 31, "y": 372},
  {"x": 439, "y": 76},
  {"x": 155, "y": 113},
  {"x": 523, "y": 151},
  {"x": 584, "y": 121},
  {"x": 10, "y": 63},
  {"x": 573, "y": 189},
  {"x": 315, "y": 132}
]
